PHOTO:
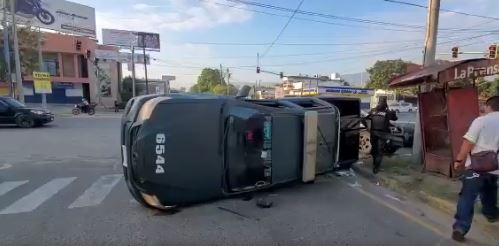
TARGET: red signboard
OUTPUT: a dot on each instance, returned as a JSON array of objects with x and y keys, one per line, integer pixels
[{"x": 472, "y": 69}]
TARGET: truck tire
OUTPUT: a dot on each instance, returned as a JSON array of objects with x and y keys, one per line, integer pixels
[{"x": 365, "y": 143}]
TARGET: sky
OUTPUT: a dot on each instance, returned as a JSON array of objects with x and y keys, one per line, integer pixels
[{"x": 206, "y": 33}]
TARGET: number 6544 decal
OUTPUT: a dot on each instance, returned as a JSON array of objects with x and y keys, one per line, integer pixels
[{"x": 160, "y": 153}]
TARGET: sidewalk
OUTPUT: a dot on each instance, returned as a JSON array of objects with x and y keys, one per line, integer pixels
[
  {"x": 64, "y": 110},
  {"x": 401, "y": 175}
]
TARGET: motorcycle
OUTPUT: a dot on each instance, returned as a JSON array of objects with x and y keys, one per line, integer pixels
[
  {"x": 82, "y": 108},
  {"x": 34, "y": 8}
]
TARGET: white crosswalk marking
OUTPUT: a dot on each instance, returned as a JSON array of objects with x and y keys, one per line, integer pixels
[
  {"x": 5, "y": 187},
  {"x": 97, "y": 192},
  {"x": 34, "y": 199}
]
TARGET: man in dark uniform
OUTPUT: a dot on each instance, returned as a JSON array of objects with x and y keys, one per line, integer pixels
[{"x": 380, "y": 118}]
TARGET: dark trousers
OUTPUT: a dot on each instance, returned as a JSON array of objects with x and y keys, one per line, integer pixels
[
  {"x": 475, "y": 184},
  {"x": 377, "y": 146}
]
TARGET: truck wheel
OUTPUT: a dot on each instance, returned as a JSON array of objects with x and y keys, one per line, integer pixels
[
  {"x": 365, "y": 143},
  {"x": 24, "y": 121}
]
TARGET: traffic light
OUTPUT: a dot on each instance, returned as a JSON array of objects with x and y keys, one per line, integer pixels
[
  {"x": 493, "y": 51},
  {"x": 455, "y": 52},
  {"x": 257, "y": 69}
]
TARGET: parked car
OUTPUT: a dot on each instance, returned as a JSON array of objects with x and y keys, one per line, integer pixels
[
  {"x": 15, "y": 112},
  {"x": 402, "y": 107}
]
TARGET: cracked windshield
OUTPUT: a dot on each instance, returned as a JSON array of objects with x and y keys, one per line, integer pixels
[{"x": 249, "y": 122}]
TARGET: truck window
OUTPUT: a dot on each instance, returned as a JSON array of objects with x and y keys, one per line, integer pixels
[{"x": 248, "y": 147}]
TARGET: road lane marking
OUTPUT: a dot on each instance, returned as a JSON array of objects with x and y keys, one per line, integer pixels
[
  {"x": 34, "y": 199},
  {"x": 400, "y": 211},
  {"x": 5, "y": 187},
  {"x": 5, "y": 166},
  {"x": 97, "y": 192}
]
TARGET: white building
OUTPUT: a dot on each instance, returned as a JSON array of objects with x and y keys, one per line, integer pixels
[{"x": 305, "y": 85}]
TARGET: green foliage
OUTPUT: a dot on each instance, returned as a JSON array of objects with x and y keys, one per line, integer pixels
[
  {"x": 383, "y": 71},
  {"x": 28, "y": 49},
  {"x": 127, "y": 85},
  {"x": 488, "y": 88},
  {"x": 210, "y": 82}
]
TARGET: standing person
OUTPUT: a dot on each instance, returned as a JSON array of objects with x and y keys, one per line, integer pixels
[
  {"x": 482, "y": 137},
  {"x": 380, "y": 127}
]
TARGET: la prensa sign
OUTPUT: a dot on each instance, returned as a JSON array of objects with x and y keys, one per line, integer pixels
[{"x": 472, "y": 69}]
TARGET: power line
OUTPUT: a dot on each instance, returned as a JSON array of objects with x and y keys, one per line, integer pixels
[
  {"x": 282, "y": 29},
  {"x": 444, "y": 10},
  {"x": 351, "y": 19},
  {"x": 313, "y": 20},
  {"x": 329, "y": 16},
  {"x": 300, "y": 44}
]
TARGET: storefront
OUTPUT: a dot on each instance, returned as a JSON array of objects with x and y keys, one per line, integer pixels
[{"x": 62, "y": 93}]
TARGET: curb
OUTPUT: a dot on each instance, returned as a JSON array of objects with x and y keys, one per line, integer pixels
[
  {"x": 97, "y": 115},
  {"x": 442, "y": 205}
]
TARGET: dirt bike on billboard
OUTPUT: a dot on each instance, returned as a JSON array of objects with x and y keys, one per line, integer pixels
[{"x": 34, "y": 8}]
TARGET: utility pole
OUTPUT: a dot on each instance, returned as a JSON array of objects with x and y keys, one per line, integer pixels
[
  {"x": 429, "y": 60},
  {"x": 228, "y": 80},
  {"x": 6, "y": 48},
  {"x": 134, "y": 93},
  {"x": 145, "y": 61},
  {"x": 40, "y": 64},
  {"x": 221, "y": 75},
  {"x": 19, "y": 80}
]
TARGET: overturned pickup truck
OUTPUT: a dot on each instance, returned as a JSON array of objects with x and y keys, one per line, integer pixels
[{"x": 181, "y": 149}]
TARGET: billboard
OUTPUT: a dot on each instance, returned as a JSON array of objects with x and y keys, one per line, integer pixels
[
  {"x": 122, "y": 57},
  {"x": 148, "y": 40},
  {"x": 128, "y": 38},
  {"x": 118, "y": 37},
  {"x": 58, "y": 15}
]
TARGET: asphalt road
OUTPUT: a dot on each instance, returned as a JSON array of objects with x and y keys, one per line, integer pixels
[{"x": 62, "y": 185}]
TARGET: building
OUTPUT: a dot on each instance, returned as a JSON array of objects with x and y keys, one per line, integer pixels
[
  {"x": 74, "y": 74},
  {"x": 305, "y": 85}
]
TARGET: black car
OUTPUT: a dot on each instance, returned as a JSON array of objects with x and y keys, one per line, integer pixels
[
  {"x": 180, "y": 149},
  {"x": 15, "y": 112}
]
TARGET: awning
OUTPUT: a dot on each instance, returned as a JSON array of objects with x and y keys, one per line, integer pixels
[{"x": 435, "y": 72}]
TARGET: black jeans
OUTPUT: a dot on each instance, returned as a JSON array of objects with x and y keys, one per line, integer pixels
[
  {"x": 377, "y": 146},
  {"x": 475, "y": 184}
]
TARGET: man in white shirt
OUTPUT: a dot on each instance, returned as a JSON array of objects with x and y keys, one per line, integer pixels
[{"x": 483, "y": 135}]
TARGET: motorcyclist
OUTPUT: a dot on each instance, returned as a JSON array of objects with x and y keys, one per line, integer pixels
[
  {"x": 84, "y": 104},
  {"x": 380, "y": 118}
]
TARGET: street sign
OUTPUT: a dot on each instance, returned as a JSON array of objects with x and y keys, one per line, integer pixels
[
  {"x": 42, "y": 83},
  {"x": 122, "y": 57}
]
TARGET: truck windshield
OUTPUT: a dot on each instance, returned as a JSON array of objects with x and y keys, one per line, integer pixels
[
  {"x": 248, "y": 147},
  {"x": 14, "y": 103}
]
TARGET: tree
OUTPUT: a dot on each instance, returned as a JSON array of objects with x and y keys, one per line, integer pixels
[
  {"x": 208, "y": 80},
  {"x": 28, "y": 49},
  {"x": 383, "y": 71},
  {"x": 488, "y": 88}
]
